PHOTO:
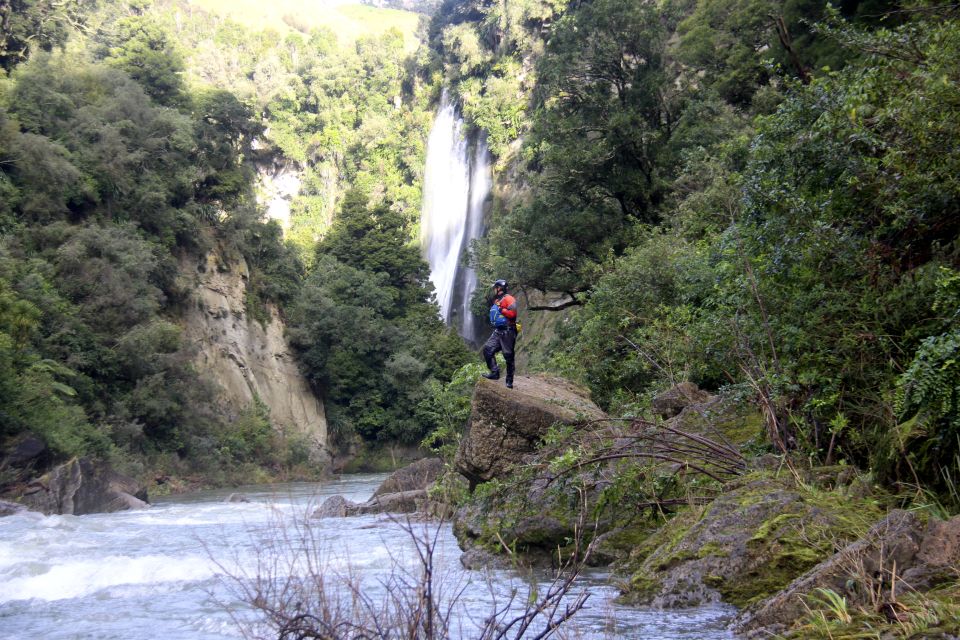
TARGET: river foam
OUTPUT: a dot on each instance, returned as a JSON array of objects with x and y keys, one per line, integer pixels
[
  {"x": 80, "y": 578},
  {"x": 165, "y": 572}
]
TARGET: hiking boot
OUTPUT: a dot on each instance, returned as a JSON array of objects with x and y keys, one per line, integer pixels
[
  {"x": 493, "y": 375},
  {"x": 509, "y": 385}
]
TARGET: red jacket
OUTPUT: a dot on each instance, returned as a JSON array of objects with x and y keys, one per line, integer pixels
[{"x": 508, "y": 307}]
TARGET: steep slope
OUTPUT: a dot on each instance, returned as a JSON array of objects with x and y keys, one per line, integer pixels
[{"x": 245, "y": 359}]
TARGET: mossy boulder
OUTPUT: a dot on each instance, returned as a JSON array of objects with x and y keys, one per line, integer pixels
[
  {"x": 529, "y": 518},
  {"x": 750, "y": 542},
  {"x": 533, "y": 509},
  {"x": 720, "y": 418},
  {"x": 898, "y": 560}
]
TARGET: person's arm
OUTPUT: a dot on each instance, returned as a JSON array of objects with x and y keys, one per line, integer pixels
[{"x": 508, "y": 307}]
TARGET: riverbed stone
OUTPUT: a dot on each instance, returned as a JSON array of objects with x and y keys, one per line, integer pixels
[
  {"x": 415, "y": 476},
  {"x": 397, "y": 502},
  {"x": 333, "y": 507},
  {"x": 404, "y": 491},
  {"x": 82, "y": 486},
  {"x": 10, "y": 508},
  {"x": 506, "y": 425}
]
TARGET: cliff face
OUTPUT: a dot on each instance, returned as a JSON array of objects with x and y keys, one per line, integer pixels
[{"x": 244, "y": 358}]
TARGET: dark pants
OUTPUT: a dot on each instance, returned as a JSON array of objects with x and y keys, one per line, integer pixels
[{"x": 500, "y": 340}]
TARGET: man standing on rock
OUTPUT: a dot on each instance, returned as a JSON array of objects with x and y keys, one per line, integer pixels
[{"x": 503, "y": 317}]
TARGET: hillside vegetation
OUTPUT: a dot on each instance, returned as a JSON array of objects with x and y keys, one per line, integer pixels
[
  {"x": 760, "y": 197},
  {"x": 349, "y": 22},
  {"x": 756, "y": 196},
  {"x": 130, "y": 139}
]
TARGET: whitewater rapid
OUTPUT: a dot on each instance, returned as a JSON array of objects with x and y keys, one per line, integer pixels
[{"x": 160, "y": 572}]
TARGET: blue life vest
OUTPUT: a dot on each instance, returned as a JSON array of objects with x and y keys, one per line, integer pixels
[{"x": 497, "y": 319}]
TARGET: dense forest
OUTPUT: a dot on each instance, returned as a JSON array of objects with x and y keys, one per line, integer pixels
[
  {"x": 767, "y": 203},
  {"x": 758, "y": 196},
  {"x": 131, "y": 137}
]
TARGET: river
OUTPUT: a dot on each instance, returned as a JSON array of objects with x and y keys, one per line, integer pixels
[{"x": 159, "y": 572}]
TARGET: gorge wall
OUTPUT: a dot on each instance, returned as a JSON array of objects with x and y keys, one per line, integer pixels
[{"x": 247, "y": 360}]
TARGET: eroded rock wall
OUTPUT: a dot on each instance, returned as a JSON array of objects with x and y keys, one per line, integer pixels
[{"x": 244, "y": 358}]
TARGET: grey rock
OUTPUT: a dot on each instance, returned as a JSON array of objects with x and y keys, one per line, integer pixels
[
  {"x": 10, "y": 508},
  {"x": 237, "y": 497},
  {"x": 415, "y": 476},
  {"x": 399, "y": 502},
  {"x": 506, "y": 426},
  {"x": 334, "y": 507},
  {"x": 893, "y": 541},
  {"x": 941, "y": 543},
  {"x": 672, "y": 401},
  {"x": 82, "y": 487}
]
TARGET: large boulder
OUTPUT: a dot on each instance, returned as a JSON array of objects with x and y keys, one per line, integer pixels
[
  {"x": 506, "y": 425},
  {"x": 82, "y": 486},
  {"x": 897, "y": 552},
  {"x": 748, "y": 543}
]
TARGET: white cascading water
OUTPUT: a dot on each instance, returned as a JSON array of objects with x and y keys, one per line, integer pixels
[
  {"x": 446, "y": 187},
  {"x": 454, "y": 192},
  {"x": 480, "y": 184}
]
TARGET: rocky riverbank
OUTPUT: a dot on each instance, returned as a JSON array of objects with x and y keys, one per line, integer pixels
[{"x": 685, "y": 515}]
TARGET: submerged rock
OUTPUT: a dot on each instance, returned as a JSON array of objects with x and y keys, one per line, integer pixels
[
  {"x": 10, "y": 508},
  {"x": 507, "y": 425},
  {"x": 81, "y": 487}
]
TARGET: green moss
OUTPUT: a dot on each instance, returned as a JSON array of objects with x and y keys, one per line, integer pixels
[
  {"x": 714, "y": 581},
  {"x": 640, "y": 589},
  {"x": 712, "y": 549},
  {"x": 792, "y": 529},
  {"x": 772, "y": 525}
]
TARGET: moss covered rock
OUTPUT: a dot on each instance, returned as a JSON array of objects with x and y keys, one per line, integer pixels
[
  {"x": 750, "y": 542},
  {"x": 534, "y": 510},
  {"x": 901, "y": 576}
]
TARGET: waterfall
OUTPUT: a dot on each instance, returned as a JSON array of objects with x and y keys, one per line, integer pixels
[
  {"x": 455, "y": 187},
  {"x": 480, "y": 184}
]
